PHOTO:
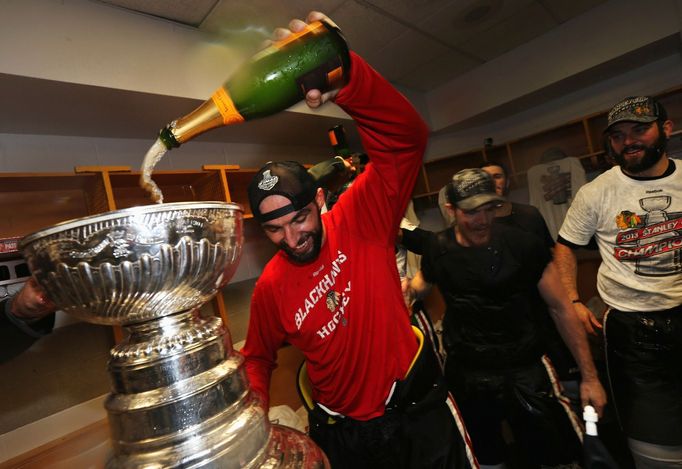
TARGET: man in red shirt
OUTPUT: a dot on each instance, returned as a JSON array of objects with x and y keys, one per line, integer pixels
[{"x": 333, "y": 292}]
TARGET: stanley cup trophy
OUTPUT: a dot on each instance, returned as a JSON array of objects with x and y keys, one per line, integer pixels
[{"x": 180, "y": 397}]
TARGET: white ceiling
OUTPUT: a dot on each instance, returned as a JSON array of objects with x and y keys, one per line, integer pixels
[{"x": 437, "y": 40}]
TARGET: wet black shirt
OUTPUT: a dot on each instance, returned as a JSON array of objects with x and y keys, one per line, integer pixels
[
  {"x": 491, "y": 295},
  {"x": 528, "y": 218}
]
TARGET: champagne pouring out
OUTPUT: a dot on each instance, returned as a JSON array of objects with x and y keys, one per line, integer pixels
[{"x": 269, "y": 82}]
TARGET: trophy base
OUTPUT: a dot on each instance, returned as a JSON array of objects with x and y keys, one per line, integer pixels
[
  {"x": 286, "y": 449},
  {"x": 181, "y": 399}
]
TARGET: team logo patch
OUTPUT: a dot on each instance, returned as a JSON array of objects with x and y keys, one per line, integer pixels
[
  {"x": 268, "y": 181},
  {"x": 627, "y": 219},
  {"x": 333, "y": 300}
]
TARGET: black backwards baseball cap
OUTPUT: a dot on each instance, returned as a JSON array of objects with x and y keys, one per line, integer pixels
[
  {"x": 636, "y": 109},
  {"x": 286, "y": 178},
  {"x": 471, "y": 188}
]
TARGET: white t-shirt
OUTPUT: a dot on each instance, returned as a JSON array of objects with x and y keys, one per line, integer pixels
[
  {"x": 552, "y": 187},
  {"x": 638, "y": 228}
]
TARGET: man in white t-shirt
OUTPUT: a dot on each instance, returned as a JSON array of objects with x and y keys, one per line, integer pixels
[{"x": 634, "y": 210}]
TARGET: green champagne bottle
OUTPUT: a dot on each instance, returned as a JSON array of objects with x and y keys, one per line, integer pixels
[
  {"x": 337, "y": 138},
  {"x": 269, "y": 82}
]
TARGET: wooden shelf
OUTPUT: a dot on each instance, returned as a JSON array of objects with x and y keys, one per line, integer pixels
[
  {"x": 32, "y": 201},
  {"x": 439, "y": 172},
  {"x": 424, "y": 201},
  {"x": 177, "y": 186},
  {"x": 238, "y": 182}
]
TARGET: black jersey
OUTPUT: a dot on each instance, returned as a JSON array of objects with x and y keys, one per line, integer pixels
[
  {"x": 491, "y": 295},
  {"x": 528, "y": 218}
]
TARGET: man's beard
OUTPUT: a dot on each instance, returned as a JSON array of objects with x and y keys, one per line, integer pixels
[
  {"x": 652, "y": 155},
  {"x": 312, "y": 254}
]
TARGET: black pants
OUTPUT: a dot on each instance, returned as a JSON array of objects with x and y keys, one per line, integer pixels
[
  {"x": 644, "y": 359},
  {"x": 418, "y": 429},
  {"x": 543, "y": 427}
]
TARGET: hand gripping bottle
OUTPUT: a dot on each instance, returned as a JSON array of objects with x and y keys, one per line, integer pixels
[
  {"x": 269, "y": 82},
  {"x": 595, "y": 454}
]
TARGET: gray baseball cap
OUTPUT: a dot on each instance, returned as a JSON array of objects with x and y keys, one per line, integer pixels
[{"x": 471, "y": 188}]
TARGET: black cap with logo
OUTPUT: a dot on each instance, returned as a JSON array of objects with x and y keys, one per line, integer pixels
[{"x": 289, "y": 179}]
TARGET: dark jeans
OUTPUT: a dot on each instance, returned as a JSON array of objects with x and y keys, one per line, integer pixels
[{"x": 644, "y": 359}]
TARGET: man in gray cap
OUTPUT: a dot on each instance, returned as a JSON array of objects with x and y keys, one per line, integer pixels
[
  {"x": 634, "y": 211},
  {"x": 494, "y": 279}
]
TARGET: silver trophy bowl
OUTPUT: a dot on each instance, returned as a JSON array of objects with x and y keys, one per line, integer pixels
[
  {"x": 180, "y": 396},
  {"x": 137, "y": 264}
]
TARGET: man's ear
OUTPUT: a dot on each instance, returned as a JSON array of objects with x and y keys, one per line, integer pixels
[
  {"x": 319, "y": 198},
  {"x": 667, "y": 127},
  {"x": 451, "y": 209}
]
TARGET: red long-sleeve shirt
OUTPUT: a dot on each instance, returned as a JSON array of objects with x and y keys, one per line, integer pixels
[{"x": 345, "y": 310}]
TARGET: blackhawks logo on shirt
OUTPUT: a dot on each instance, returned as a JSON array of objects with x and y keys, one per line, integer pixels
[
  {"x": 333, "y": 300},
  {"x": 627, "y": 219}
]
